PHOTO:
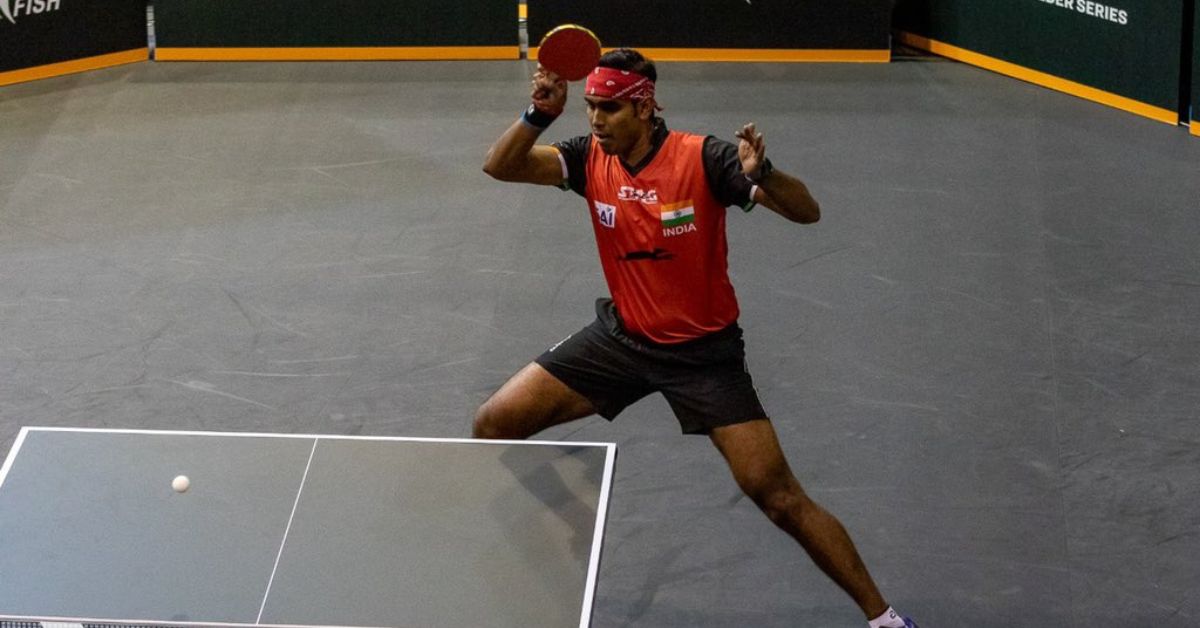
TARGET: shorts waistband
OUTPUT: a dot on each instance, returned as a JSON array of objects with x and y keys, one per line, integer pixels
[{"x": 606, "y": 313}]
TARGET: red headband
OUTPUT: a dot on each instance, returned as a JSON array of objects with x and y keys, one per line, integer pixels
[{"x": 620, "y": 84}]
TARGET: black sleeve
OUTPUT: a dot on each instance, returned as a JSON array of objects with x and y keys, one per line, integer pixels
[
  {"x": 574, "y": 152},
  {"x": 724, "y": 172}
]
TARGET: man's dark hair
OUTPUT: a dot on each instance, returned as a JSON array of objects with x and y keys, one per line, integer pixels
[{"x": 629, "y": 59}]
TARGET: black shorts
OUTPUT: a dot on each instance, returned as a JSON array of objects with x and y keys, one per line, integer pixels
[{"x": 705, "y": 380}]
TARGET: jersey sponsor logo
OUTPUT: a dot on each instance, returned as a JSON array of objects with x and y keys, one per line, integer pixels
[
  {"x": 628, "y": 193},
  {"x": 606, "y": 214},
  {"x": 12, "y": 9},
  {"x": 657, "y": 255},
  {"x": 678, "y": 218}
]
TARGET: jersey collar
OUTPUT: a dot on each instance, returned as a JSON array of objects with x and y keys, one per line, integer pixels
[{"x": 657, "y": 137}]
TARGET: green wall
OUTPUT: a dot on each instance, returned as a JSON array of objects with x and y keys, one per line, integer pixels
[{"x": 1132, "y": 48}]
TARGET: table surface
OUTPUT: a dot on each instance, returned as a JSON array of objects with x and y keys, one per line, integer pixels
[{"x": 300, "y": 530}]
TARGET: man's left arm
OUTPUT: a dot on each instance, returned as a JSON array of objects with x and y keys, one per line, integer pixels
[{"x": 778, "y": 191}]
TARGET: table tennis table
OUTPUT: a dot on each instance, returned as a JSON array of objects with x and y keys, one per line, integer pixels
[{"x": 298, "y": 530}]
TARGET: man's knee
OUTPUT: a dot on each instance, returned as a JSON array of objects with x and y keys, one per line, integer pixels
[
  {"x": 489, "y": 422},
  {"x": 777, "y": 494}
]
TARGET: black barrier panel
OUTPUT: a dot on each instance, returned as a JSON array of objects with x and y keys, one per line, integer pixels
[
  {"x": 722, "y": 24},
  {"x": 1126, "y": 47},
  {"x": 1196, "y": 69},
  {"x": 306, "y": 23},
  {"x": 41, "y": 32}
]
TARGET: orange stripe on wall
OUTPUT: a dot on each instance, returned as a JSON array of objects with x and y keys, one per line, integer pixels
[
  {"x": 383, "y": 53},
  {"x": 75, "y": 66},
  {"x": 759, "y": 55},
  {"x": 1041, "y": 78}
]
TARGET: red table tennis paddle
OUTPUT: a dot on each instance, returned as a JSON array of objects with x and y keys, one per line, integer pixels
[{"x": 570, "y": 51}]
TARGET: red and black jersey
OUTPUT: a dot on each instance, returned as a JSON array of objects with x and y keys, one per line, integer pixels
[{"x": 660, "y": 231}]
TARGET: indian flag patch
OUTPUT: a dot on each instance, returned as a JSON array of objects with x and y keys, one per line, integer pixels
[{"x": 676, "y": 214}]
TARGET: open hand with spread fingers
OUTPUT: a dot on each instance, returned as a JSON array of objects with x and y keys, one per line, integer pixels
[{"x": 751, "y": 150}]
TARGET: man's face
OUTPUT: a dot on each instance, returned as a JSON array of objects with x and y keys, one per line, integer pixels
[{"x": 617, "y": 125}]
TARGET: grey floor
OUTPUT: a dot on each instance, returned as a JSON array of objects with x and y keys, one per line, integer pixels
[{"x": 983, "y": 358}]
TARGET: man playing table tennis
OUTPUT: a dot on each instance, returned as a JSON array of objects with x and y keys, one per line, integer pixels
[{"x": 657, "y": 200}]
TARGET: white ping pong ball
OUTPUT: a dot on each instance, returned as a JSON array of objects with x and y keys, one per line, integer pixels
[{"x": 180, "y": 483}]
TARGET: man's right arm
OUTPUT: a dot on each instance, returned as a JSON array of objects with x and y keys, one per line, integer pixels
[{"x": 516, "y": 156}]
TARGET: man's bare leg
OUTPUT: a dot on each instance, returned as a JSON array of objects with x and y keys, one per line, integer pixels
[
  {"x": 529, "y": 402},
  {"x": 758, "y": 464}
]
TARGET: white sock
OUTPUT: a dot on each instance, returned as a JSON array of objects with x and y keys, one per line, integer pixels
[{"x": 889, "y": 619}]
